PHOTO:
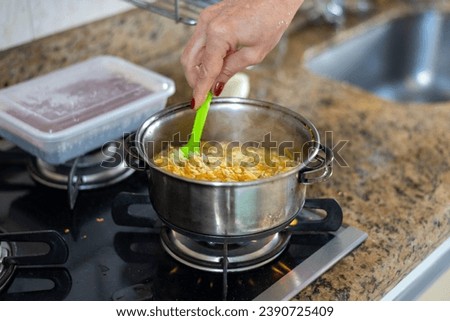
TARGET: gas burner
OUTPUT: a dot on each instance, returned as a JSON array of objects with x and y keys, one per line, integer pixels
[
  {"x": 5, "y": 250},
  {"x": 49, "y": 249},
  {"x": 209, "y": 256},
  {"x": 6, "y": 272},
  {"x": 224, "y": 254},
  {"x": 93, "y": 170},
  {"x": 199, "y": 265}
]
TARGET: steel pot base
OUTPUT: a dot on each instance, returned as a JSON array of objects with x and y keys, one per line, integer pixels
[{"x": 210, "y": 256}]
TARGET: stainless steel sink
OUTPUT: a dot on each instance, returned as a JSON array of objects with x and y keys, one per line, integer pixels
[{"x": 406, "y": 59}]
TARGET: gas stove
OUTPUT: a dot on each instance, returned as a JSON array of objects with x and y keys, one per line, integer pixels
[{"x": 110, "y": 240}]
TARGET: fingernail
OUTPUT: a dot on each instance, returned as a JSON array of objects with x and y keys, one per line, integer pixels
[
  {"x": 218, "y": 88},
  {"x": 192, "y": 103}
]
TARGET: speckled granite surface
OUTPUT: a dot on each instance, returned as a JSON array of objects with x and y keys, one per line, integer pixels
[{"x": 396, "y": 186}]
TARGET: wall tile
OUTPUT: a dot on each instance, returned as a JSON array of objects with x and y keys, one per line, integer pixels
[
  {"x": 52, "y": 16},
  {"x": 15, "y": 23},
  {"x": 22, "y": 21}
]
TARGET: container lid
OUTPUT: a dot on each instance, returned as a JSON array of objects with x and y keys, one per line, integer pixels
[{"x": 77, "y": 99}]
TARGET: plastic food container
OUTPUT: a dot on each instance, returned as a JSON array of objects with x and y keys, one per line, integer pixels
[{"x": 72, "y": 111}]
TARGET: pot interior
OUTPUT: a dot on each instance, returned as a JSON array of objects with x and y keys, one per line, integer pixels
[{"x": 233, "y": 121}]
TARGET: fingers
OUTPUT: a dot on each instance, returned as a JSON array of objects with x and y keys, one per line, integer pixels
[
  {"x": 191, "y": 57},
  {"x": 234, "y": 63},
  {"x": 218, "y": 66},
  {"x": 211, "y": 65},
  {"x": 229, "y": 37}
]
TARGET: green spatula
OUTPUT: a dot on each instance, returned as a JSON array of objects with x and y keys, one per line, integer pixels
[{"x": 193, "y": 145}]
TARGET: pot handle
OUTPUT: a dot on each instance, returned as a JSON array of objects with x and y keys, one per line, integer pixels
[
  {"x": 132, "y": 157},
  {"x": 320, "y": 168},
  {"x": 331, "y": 222}
]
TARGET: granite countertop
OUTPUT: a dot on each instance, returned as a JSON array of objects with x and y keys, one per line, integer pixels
[{"x": 395, "y": 184}]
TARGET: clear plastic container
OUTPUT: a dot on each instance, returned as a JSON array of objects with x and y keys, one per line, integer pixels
[{"x": 67, "y": 113}]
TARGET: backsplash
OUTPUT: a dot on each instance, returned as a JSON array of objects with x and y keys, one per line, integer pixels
[{"x": 22, "y": 21}]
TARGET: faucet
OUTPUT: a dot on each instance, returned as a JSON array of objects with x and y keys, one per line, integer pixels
[
  {"x": 334, "y": 11},
  {"x": 186, "y": 11}
]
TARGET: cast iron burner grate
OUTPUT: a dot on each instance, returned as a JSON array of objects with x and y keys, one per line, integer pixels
[
  {"x": 215, "y": 254},
  {"x": 48, "y": 250}
]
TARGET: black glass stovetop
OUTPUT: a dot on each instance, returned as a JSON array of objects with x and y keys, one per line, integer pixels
[{"x": 111, "y": 262}]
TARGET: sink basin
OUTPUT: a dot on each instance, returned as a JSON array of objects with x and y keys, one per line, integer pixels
[{"x": 406, "y": 59}]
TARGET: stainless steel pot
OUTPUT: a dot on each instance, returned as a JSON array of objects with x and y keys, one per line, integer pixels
[{"x": 226, "y": 209}]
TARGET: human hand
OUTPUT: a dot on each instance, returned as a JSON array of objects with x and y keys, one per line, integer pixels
[{"x": 230, "y": 36}]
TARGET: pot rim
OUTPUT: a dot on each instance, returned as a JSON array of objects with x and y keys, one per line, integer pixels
[{"x": 187, "y": 105}]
